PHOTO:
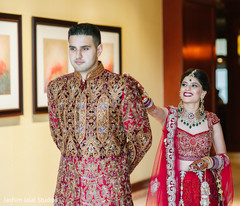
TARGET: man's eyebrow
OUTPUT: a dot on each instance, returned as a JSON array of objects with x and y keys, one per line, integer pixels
[{"x": 70, "y": 46}]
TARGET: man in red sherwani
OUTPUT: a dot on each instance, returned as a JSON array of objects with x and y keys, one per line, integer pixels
[{"x": 99, "y": 124}]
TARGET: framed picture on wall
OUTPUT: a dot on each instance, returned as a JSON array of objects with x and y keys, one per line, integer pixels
[
  {"x": 50, "y": 56},
  {"x": 11, "y": 90},
  {"x": 111, "y": 55}
]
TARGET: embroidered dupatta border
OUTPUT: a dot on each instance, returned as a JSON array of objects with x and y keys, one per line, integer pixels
[{"x": 171, "y": 156}]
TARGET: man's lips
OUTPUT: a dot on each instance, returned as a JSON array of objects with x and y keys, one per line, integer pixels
[
  {"x": 79, "y": 62},
  {"x": 187, "y": 94}
]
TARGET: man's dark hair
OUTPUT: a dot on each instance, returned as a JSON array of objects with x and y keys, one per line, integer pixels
[{"x": 86, "y": 29}]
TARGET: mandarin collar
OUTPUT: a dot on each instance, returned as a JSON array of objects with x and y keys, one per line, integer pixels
[{"x": 93, "y": 74}]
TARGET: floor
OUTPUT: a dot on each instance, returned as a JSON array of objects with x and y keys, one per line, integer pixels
[{"x": 139, "y": 197}]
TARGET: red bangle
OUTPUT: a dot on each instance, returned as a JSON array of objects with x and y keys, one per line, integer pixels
[{"x": 147, "y": 102}]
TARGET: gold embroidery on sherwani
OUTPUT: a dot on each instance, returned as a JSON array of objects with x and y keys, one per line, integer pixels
[
  {"x": 71, "y": 147},
  {"x": 143, "y": 140},
  {"x": 91, "y": 149},
  {"x": 113, "y": 149},
  {"x": 81, "y": 123},
  {"x": 102, "y": 118},
  {"x": 99, "y": 126},
  {"x": 116, "y": 89},
  {"x": 96, "y": 88},
  {"x": 131, "y": 151}
]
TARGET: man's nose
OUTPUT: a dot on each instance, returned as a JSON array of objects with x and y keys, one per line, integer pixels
[{"x": 79, "y": 53}]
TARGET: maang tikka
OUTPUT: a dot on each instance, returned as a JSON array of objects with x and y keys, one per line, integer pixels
[{"x": 191, "y": 75}]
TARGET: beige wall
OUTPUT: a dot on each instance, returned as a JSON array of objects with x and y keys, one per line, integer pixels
[{"x": 29, "y": 158}]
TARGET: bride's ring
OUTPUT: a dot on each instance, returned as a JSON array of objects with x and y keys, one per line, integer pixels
[{"x": 200, "y": 164}]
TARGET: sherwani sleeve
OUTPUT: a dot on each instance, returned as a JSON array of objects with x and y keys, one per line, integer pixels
[
  {"x": 54, "y": 122},
  {"x": 136, "y": 125}
]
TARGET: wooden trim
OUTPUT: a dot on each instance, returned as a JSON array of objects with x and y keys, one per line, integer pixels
[
  {"x": 35, "y": 22},
  {"x": 205, "y": 2},
  {"x": 143, "y": 184},
  {"x": 172, "y": 50},
  {"x": 19, "y": 109}
]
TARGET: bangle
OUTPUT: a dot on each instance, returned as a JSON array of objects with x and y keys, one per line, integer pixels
[
  {"x": 147, "y": 101},
  {"x": 209, "y": 161},
  {"x": 217, "y": 162}
]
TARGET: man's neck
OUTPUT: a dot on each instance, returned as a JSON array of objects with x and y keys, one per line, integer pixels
[{"x": 87, "y": 74}]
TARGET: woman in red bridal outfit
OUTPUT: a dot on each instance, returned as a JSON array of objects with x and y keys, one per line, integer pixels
[{"x": 184, "y": 173}]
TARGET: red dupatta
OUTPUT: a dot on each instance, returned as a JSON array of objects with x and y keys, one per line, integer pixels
[{"x": 164, "y": 183}]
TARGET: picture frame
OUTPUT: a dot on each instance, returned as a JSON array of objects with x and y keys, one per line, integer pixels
[
  {"x": 11, "y": 87},
  {"x": 50, "y": 56},
  {"x": 111, "y": 56}
]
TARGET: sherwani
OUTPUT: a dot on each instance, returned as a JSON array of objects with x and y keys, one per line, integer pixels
[{"x": 102, "y": 131}]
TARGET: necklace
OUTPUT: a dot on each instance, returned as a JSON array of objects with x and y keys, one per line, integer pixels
[{"x": 191, "y": 119}]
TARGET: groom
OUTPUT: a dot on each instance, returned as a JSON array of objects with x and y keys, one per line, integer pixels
[{"x": 99, "y": 124}]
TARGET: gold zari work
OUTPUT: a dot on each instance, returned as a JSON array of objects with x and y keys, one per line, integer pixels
[{"x": 100, "y": 126}]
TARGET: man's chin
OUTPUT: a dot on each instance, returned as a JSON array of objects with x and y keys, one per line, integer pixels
[{"x": 80, "y": 69}]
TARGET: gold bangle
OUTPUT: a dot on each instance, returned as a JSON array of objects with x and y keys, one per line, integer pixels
[{"x": 209, "y": 161}]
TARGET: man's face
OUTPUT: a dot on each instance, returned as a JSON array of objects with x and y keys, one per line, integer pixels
[{"x": 83, "y": 53}]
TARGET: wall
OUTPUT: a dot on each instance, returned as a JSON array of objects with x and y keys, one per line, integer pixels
[{"x": 29, "y": 158}]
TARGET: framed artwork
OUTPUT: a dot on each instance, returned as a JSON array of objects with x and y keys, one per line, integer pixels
[
  {"x": 11, "y": 90},
  {"x": 50, "y": 56},
  {"x": 111, "y": 55}
]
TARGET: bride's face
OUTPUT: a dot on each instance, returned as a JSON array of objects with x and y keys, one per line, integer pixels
[{"x": 191, "y": 90}]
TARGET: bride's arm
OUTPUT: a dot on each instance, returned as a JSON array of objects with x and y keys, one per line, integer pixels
[{"x": 158, "y": 113}]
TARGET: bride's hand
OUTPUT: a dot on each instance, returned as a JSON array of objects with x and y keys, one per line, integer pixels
[
  {"x": 200, "y": 164},
  {"x": 146, "y": 99}
]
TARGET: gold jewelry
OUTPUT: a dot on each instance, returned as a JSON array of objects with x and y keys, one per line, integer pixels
[
  {"x": 209, "y": 161},
  {"x": 147, "y": 101},
  {"x": 205, "y": 189},
  {"x": 202, "y": 109},
  {"x": 191, "y": 75},
  {"x": 191, "y": 119},
  {"x": 220, "y": 191},
  {"x": 205, "y": 193},
  {"x": 200, "y": 164},
  {"x": 180, "y": 106}
]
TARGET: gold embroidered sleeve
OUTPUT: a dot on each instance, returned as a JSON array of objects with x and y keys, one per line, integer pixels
[
  {"x": 136, "y": 125},
  {"x": 54, "y": 122}
]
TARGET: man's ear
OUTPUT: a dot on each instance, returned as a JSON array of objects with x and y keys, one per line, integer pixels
[{"x": 99, "y": 50}]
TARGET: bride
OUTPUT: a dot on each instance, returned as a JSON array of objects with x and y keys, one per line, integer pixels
[{"x": 184, "y": 173}]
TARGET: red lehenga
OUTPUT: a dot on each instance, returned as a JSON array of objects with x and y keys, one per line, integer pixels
[{"x": 170, "y": 186}]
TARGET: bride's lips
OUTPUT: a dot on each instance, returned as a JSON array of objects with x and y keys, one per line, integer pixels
[{"x": 187, "y": 94}]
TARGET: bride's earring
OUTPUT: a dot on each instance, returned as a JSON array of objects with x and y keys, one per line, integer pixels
[
  {"x": 202, "y": 109},
  {"x": 180, "y": 106}
]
